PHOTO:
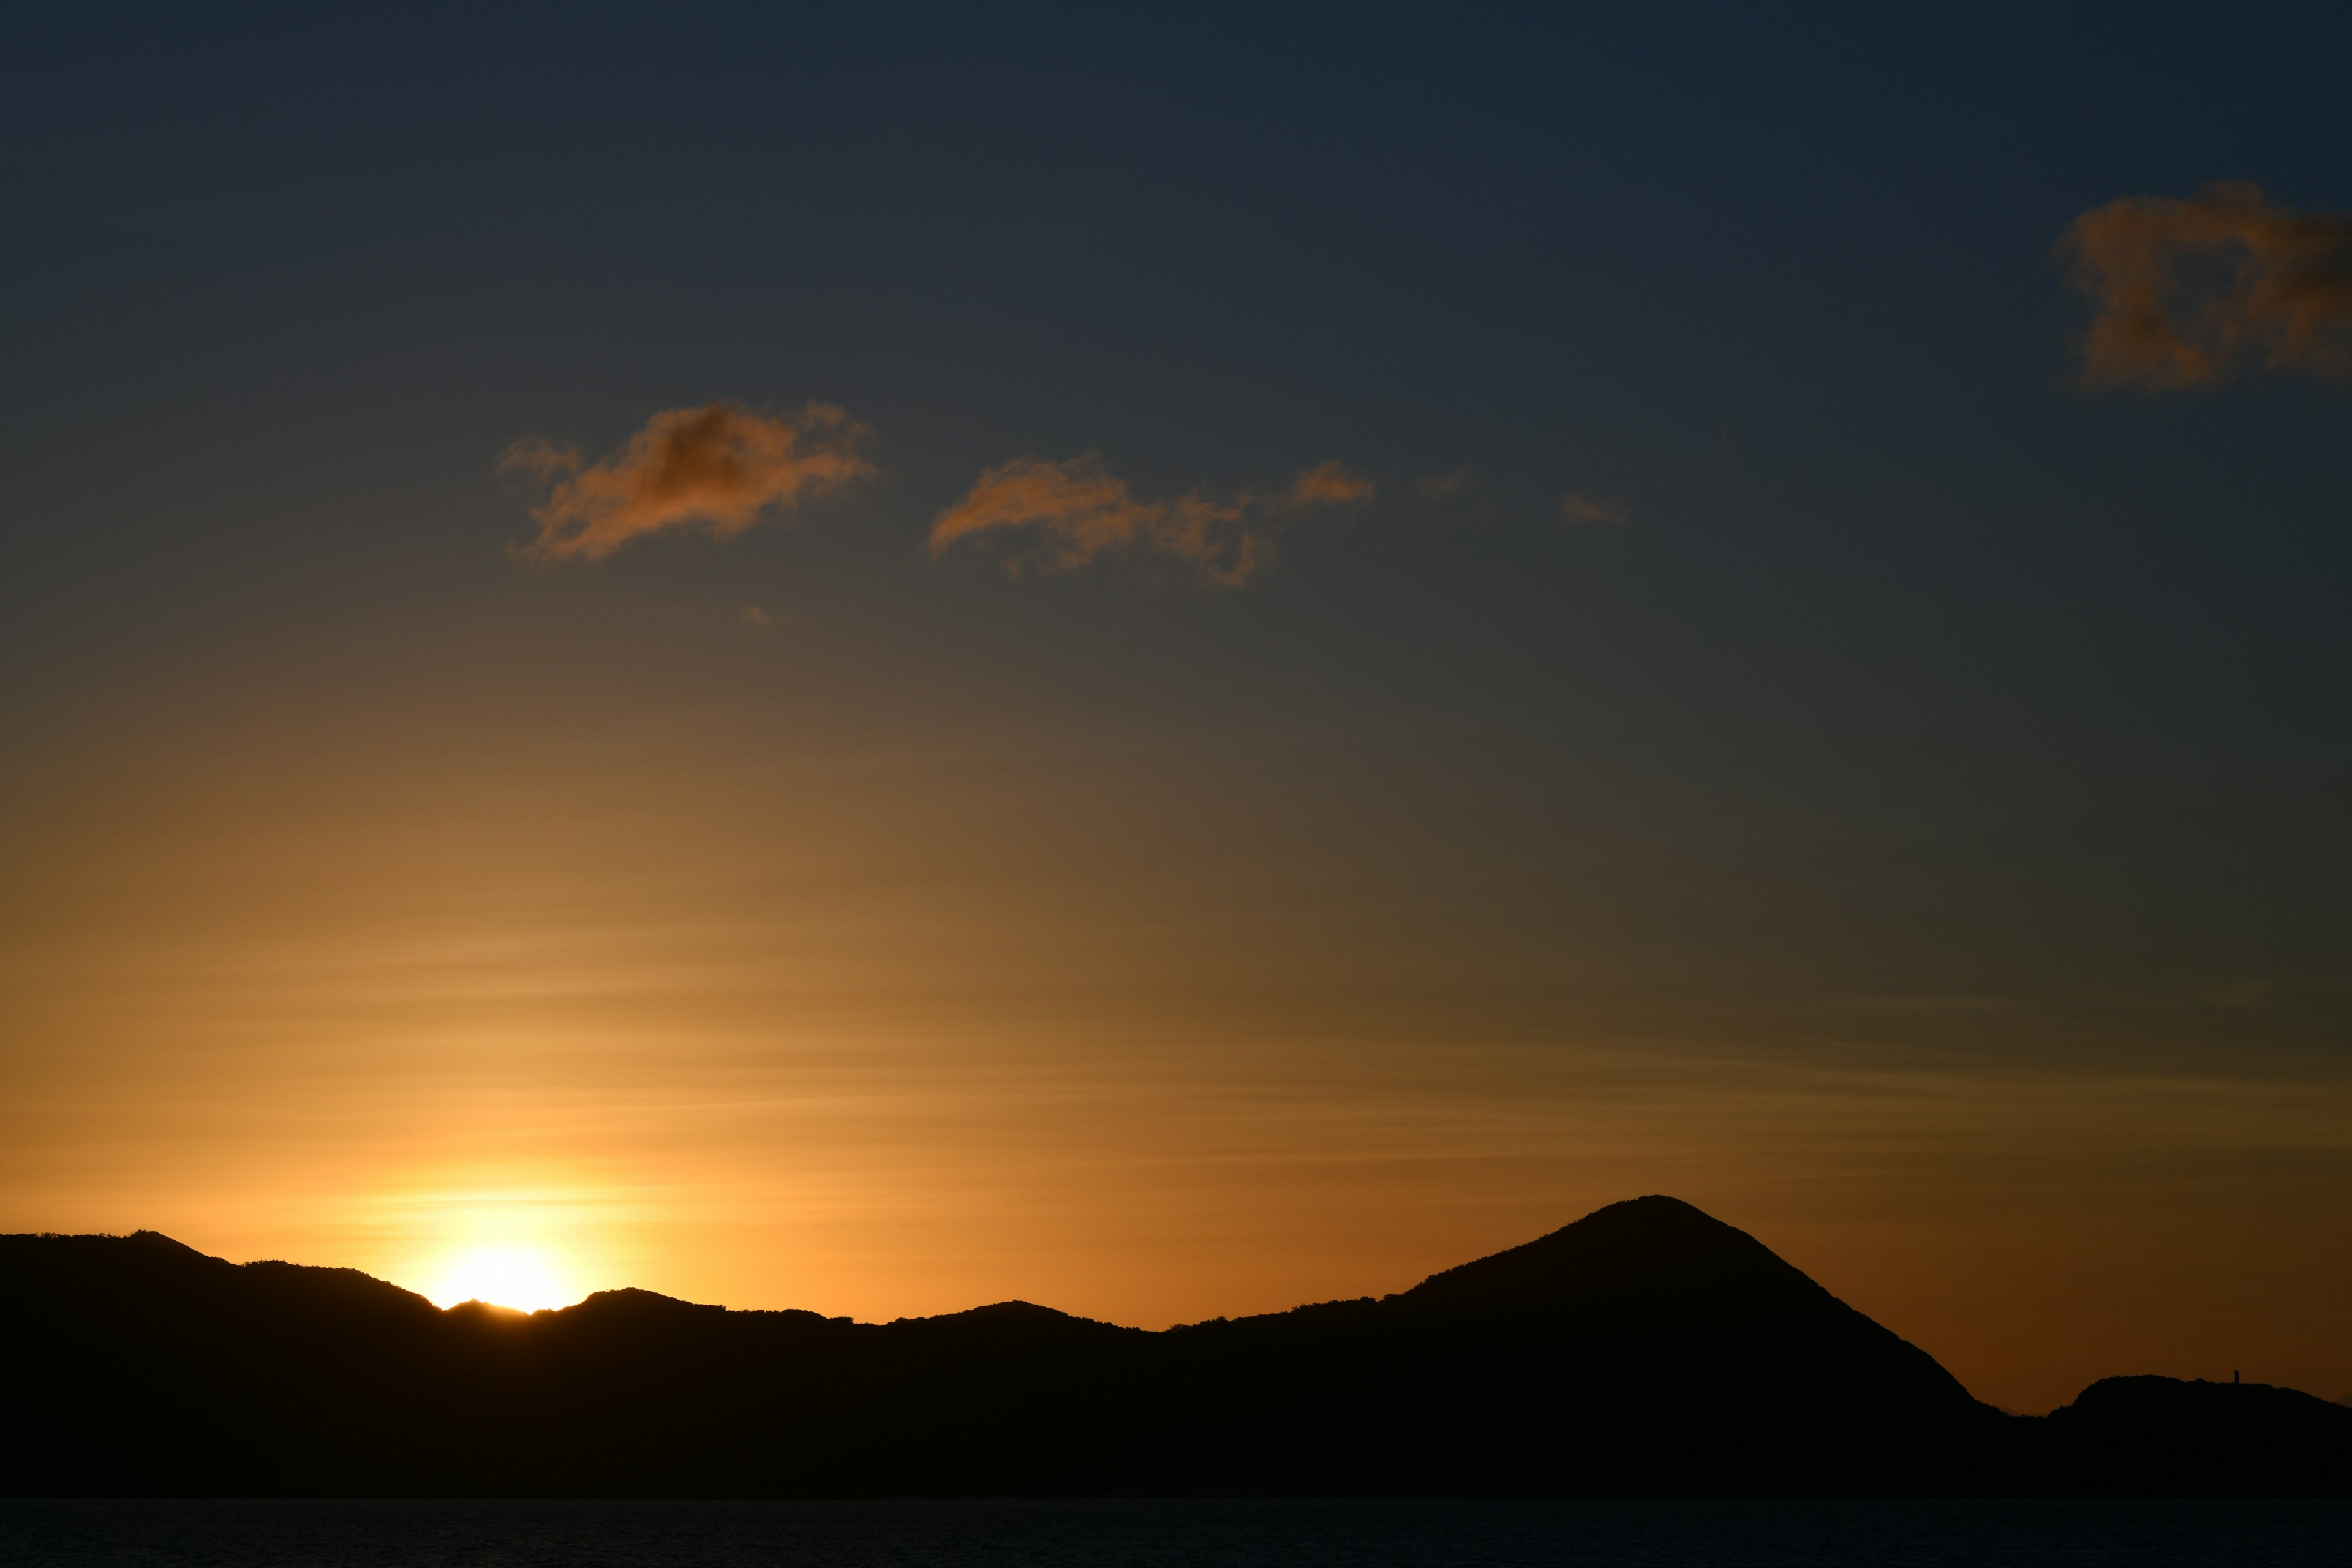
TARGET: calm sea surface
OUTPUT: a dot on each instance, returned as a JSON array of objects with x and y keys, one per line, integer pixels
[{"x": 1168, "y": 1534}]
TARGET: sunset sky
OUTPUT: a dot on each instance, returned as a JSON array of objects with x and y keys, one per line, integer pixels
[{"x": 881, "y": 659}]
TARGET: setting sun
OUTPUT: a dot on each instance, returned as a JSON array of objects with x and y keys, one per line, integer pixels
[{"x": 519, "y": 1277}]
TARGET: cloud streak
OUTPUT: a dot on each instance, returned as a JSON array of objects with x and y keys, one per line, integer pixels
[
  {"x": 1583, "y": 511},
  {"x": 714, "y": 468},
  {"x": 1075, "y": 510},
  {"x": 2184, "y": 293},
  {"x": 1331, "y": 483},
  {"x": 1448, "y": 484}
]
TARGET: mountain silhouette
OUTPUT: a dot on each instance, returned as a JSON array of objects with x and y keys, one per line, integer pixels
[{"x": 1647, "y": 1348}]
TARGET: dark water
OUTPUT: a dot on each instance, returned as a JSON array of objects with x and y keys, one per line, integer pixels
[{"x": 1170, "y": 1535}]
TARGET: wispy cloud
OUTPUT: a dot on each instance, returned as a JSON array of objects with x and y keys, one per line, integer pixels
[
  {"x": 2185, "y": 292},
  {"x": 1585, "y": 510},
  {"x": 1075, "y": 510},
  {"x": 1448, "y": 484},
  {"x": 716, "y": 468},
  {"x": 1331, "y": 483}
]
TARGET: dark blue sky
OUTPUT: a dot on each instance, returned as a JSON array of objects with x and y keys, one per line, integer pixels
[{"x": 281, "y": 286}]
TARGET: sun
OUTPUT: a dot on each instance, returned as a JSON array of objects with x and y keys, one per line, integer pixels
[{"x": 506, "y": 1275}]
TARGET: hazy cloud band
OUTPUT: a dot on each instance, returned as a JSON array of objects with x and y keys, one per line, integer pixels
[{"x": 1075, "y": 510}]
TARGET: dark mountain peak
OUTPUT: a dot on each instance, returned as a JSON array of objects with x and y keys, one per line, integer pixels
[
  {"x": 1003, "y": 1312},
  {"x": 1643, "y": 1251},
  {"x": 479, "y": 1311},
  {"x": 1012, "y": 1323},
  {"x": 631, "y": 1304},
  {"x": 155, "y": 1240}
]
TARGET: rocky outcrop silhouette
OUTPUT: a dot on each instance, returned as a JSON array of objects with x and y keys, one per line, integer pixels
[{"x": 2162, "y": 1436}]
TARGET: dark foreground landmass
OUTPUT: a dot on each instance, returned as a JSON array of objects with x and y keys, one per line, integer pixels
[{"x": 1645, "y": 1350}]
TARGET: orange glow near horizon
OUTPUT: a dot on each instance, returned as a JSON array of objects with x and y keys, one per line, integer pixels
[
  {"x": 522, "y": 1276},
  {"x": 879, "y": 1028}
]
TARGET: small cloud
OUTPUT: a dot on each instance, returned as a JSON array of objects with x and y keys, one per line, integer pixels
[
  {"x": 2183, "y": 293},
  {"x": 753, "y": 616},
  {"x": 1331, "y": 483},
  {"x": 1581, "y": 510},
  {"x": 717, "y": 468},
  {"x": 540, "y": 458},
  {"x": 1444, "y": 486},
  {"x": 1077, "y": 510}
]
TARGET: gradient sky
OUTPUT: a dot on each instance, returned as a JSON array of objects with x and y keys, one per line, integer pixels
[{"x": 1752, "y": 711}]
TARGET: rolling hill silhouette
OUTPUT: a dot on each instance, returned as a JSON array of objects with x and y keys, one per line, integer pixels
[{"x": 1645, "y": 1349}]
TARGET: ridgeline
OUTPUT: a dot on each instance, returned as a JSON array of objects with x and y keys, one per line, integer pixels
[{"x": 1645, "y": 1350}]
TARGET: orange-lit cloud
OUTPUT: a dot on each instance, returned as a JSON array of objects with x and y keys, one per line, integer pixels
[
  {"x": 715, "y": 468},
  {"x": 1077, "y": 510},
  {"x": 1594, "y": 512},
  {"x": 1448, "y": 484},
  {"x": 2185, "y": 292},
  {"x": 1331, "y": 483}
]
